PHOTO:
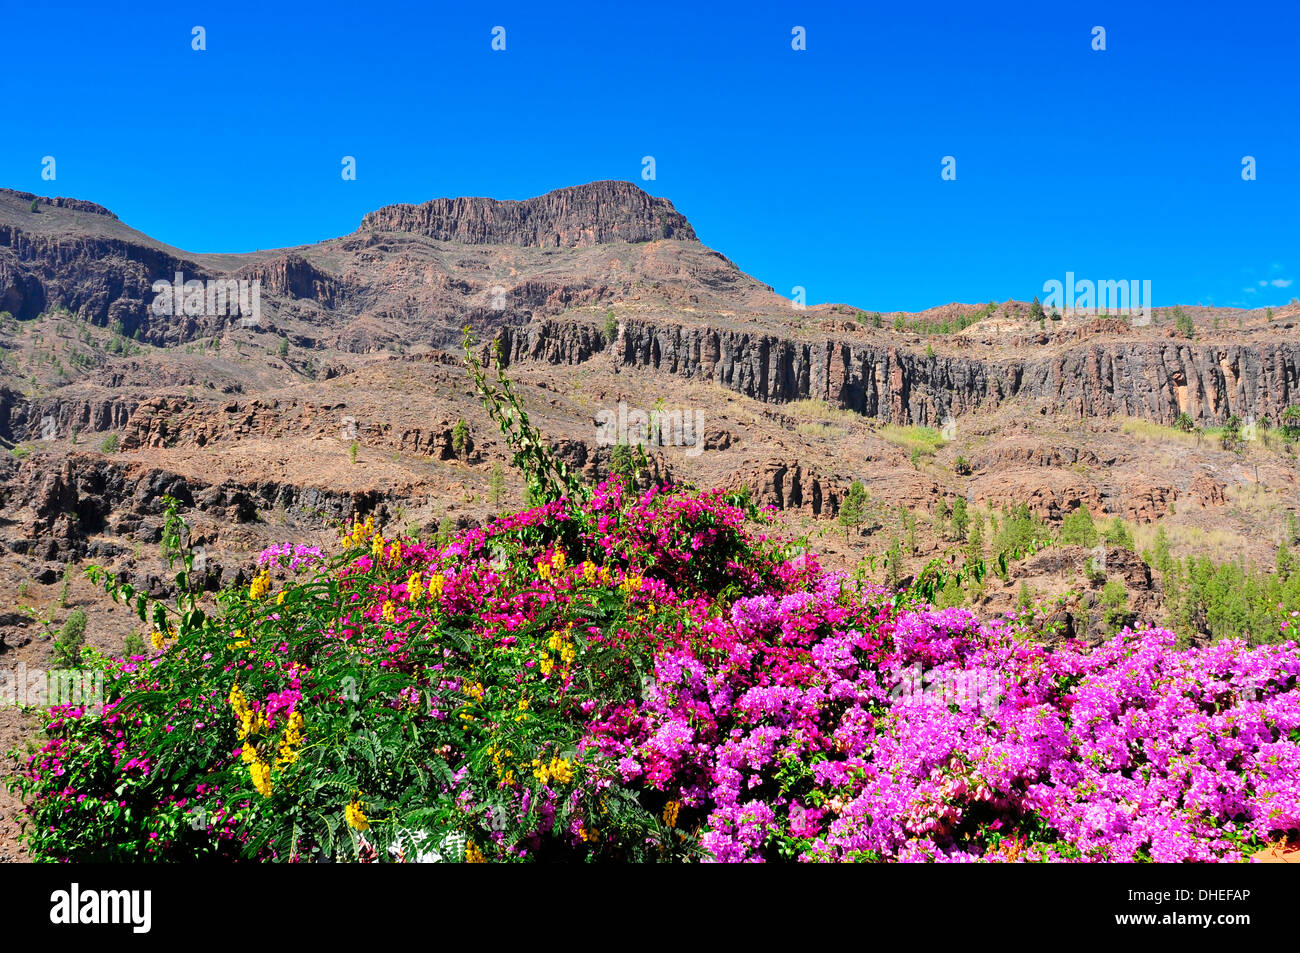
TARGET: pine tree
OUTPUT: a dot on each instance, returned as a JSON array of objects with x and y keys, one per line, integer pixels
[
  {"x": 497, "y": 485},
  {"x": 460, "y": 437},
  {"x": 960, "y": 519}
]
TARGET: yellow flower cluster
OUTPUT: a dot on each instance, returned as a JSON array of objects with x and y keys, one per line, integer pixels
[
  {"x": 559, "y": 770},
  {"x": 253, "y": 723},
  {"x": 475, "y": 691},
  {"x": 377, "y": 546},
  {"x": 473, "y": 855},
  {"x": 390, "y": 610},
  {"x": 556, "y": 564},
  {"x": 260, "y": 585},
  {"x": 436, "y": 582},
  {"x": 586, "y": 833},
  {"x": 414, "y": 587},
  {"x": 395, "y": 551},
  {"x": 360, "y": 531},
  {"x": 160, "y": 639},
  {"x": 291, "y": 741},
  {"x": 261, "y": 773},
  {"x": 671, "y": 809},
  {"x": 499, "y": 756},
  {"x": 250, "y": 723},
  {"x": 630, "y": 584},
  {"x": 562, "y": 644},
  {"x": 356, "y": 816},
  {"x": 241, "y": 642}
]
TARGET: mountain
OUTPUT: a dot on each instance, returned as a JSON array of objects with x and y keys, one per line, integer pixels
[
  {"x": 331, "y": 383},
  {"x": 607, "y": 307}
]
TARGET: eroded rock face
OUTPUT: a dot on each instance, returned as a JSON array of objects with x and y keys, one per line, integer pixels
[
  {"x": 292, "y": 276},
  {"x": 1154, "y": 379},
  {"x": 788, "y": 485},
  {"x": 584, "y": 215},
  {"x": 100, "y": 280}
]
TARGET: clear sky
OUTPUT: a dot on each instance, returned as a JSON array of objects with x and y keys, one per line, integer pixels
[{"x": 819, "y": 168}]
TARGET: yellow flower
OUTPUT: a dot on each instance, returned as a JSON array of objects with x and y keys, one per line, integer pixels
[
  {"x": 631, "y": 584},
  {"x": 436, "y": 582},
  {"x": 356, "y": 816},
  {"x": 561, "y": 770},
  {"x": 588, "y": 572},
  {"x": 279, "y": 600},
  {"x": 261, "y": 773},
  {"x": 475, "y": 691},
  {"x": 544, "y": 571},
  {"x": 558, "y": 560},
  {"x": 558, "y": 770},
  {"x": 260, "y": 585},
  {"x": 546, "y": 665},
  {"x": 671, "y": 810},
  {"x": 395, "y": 551},
  {"x": 473, "y": 855},
  {"x": 290, "y": 741},
  {"x": 390, "y": 610},
  {"x": 377, "y": 546},
  {"x": 161, "y": 639},
  {"x": 414, "y": 586},
  {"x": 360, "y": 531},
  {"x": 523, "y": 704}
]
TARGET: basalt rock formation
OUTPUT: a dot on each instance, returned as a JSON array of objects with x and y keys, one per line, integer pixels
[
  {"x": 1154, "y": 380},
  {"x": 578, "y": 217}
]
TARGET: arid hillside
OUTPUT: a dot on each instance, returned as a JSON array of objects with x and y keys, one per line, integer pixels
[{"x": 338, "y": 388}]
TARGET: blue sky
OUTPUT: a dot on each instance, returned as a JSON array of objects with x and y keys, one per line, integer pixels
[{"x": 818, "y": 168}]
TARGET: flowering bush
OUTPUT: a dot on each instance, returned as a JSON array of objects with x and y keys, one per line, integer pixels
[
  {"x": 620, "y": 675},
  {"x": 643, "y": 678}
]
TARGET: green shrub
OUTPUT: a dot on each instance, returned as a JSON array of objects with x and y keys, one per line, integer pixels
[
  {"x": 497, "y": 485},
  {"x": 853, "y": 510},
  {"x": 1078, "y": 529},
  {"x": 67, "y": 647},
  {"x": 960, "y": 518},
  {"x": 1118, "y": 534},
  {"x": 1114, "y": 606},
  {"x": 460, "y": 438}
]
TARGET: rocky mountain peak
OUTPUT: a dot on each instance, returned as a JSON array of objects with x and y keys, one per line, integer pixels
[
  {"x": 577, "y": 217},
  {"x": 78, "y": 205}
]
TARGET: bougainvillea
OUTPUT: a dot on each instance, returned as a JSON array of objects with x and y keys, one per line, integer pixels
[{"x": 646, "y": 676}]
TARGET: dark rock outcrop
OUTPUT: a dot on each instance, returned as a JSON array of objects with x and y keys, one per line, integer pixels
[
  {"x": 1154, "y": 380},
  {"x": 577, "y": 217}
]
